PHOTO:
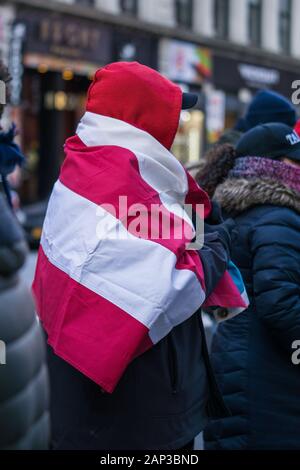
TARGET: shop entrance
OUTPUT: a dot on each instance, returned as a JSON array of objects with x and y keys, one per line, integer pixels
[{"x": 53, "y": 105}]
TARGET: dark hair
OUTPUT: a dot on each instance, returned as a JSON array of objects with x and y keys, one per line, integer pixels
[
  {"x": 4, "y": 77},
  {"x": 219, "y": 161}
]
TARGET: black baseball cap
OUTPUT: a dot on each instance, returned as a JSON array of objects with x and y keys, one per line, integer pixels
[
  {"x": 189, "y": 100},
  {"x": 273, "y": 140}
]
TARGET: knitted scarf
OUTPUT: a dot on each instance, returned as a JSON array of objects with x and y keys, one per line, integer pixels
[{"x": 260, "y": 167}]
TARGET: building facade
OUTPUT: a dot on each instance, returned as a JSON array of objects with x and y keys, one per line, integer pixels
[{"x": 223, "y": 49}]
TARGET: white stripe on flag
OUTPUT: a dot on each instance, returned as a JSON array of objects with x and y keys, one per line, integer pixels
[
  {"x": 157, "y": 166},
  {"x": 137, "y": 275}
]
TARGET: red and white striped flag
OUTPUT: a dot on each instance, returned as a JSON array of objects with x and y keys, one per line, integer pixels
[{"x": 106, "y": 289}]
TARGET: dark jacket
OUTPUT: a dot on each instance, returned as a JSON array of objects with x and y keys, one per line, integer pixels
[
  {"x": 163, "y": 400},
  {"x": 24, "y": 416},
  {"x": 252, "y": 353}
]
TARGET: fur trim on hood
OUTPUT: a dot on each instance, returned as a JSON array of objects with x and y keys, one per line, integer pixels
[{"x": 236, "y": 195}]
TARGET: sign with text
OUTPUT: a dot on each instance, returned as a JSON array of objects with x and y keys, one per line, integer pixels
[
  {"x": 16, "y": 62},
  {"x": 233, "y": 74},
  {"x": 7, "y": 15},
  {"x": 66, "y": 36}
]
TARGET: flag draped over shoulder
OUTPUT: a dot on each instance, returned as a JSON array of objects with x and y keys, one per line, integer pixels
[{"x": 105, "y": 289}]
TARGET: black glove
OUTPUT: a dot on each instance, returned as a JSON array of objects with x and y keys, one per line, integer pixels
[
  {"x": 215, "y": 253},
  {"x": 215, "y": 217},
  {"x": 226, "y": 233},
  {"x": 215, "y": 223}
]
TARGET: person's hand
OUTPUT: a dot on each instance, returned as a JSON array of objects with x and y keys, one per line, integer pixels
[
  {"x": 215, "y": 253},
  {"x": 226, "y": 233},
  {"x": 215, "y": 217}
]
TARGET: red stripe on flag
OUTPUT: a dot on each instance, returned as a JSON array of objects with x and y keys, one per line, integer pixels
[
  {"x": 85, "y": 329},
  {"x": 102, "y": 174},
  {"x": 225, "y": 294},
  {"x": 197, "y": 196}
]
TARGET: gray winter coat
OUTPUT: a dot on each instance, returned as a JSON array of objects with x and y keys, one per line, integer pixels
[{"x": 24, "y": 415}]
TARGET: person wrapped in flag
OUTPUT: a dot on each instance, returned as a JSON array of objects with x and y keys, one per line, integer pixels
[{"x": 119, "y": 284}]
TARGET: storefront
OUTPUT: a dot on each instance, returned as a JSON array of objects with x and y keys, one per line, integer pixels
[
  {"x": 191, "y": 67},
  {"x": 241, "y": 79},
  {"x": 131, "y": 45},
  {"x": 53, "y": 58}
]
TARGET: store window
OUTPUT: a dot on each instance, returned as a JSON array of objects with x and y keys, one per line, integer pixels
[
  {"x": 129, "y": 6},
  {"x": 254, "y": 23},
  {"x": 188, "y": 143},
  {"x": 53, "y": 103},
  {"x": 184, "y": 12},
  {"x": 221, "y": 18},
  {"x": 285, "y": 25}
]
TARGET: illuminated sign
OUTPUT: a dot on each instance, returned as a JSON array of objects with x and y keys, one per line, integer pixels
[
  {"x": 184, "y": 62},
  {"x": 16, "y": 62}
]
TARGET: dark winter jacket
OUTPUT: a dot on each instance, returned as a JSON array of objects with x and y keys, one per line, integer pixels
[
  {"x": 163, "y": 400},
  {"x": 24, "y": 416},
  {"x": 252, "y": 353}
]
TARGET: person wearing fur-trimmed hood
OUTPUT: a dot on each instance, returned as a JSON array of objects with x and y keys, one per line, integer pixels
[{"x": 254, "y": 356}]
